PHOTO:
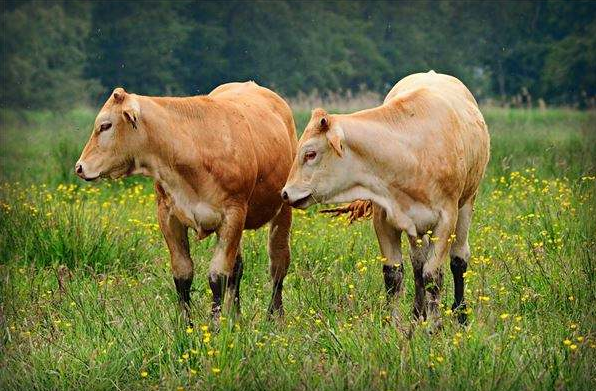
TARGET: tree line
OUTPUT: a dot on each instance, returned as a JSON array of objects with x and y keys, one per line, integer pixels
[{"x": 56, "y": 54}]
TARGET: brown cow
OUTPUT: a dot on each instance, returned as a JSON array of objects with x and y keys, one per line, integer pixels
[
  {"x": 418, "y": 159},
  {"x": 219, "y": 163}
]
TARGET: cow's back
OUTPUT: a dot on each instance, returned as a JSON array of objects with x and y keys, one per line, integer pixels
[
  {"x": 469, "y": 128},
  {"x": 273, "y": 136}
]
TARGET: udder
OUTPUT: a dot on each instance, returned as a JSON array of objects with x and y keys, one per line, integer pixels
[{"x": 423, "y": 217}]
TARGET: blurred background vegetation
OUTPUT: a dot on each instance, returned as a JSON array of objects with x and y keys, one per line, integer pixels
[{"x": 60, "y": 54}]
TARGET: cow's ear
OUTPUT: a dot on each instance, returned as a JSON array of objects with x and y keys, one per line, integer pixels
[
  {"x": 335, "y": 142},
  {"x": 131, "y": 112},
  {"x": 131, "y": 117}
]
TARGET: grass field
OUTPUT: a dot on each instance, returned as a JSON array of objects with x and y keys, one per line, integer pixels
[{"x": 87, "y": 300}]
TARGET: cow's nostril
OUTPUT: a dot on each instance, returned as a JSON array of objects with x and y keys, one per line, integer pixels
[
  {"x": 79, "y": 168},
  {"x": 284, "y": 195}
]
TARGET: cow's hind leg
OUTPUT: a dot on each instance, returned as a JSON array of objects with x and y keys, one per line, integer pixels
[
  {"x": 279, "y": 255},
  {"x": 460, "y": 255},
  {"x": 432, "y": 271},
  {"x": 393, "y": 269},
  {"x": 418, "y": 254},
  {"x": 176, "y": 236}
]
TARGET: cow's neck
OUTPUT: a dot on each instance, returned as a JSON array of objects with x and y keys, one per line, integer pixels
[
  {"x": 380, "y": 163},
  {"x": 373, "y": 144},
  {"x": 169, "y": 146},
  {"x": 168, "y": 159}
]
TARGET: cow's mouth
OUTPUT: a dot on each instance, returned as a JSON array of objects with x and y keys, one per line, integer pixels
[
  {"x": 123, "y": 170},
  {"x": 302, "y": 203}
]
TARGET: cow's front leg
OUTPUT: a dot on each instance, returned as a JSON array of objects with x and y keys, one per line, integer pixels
[
  {"x": 176, "y": 236},
  {"x": 432, "y": 272},
  {"x": 224, "y": 275},
  {"x": 393, "y": 269},
  {"x": 279, "y": 256}
]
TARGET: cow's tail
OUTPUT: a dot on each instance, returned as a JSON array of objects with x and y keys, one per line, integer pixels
[{"x": 359, "y": 209}]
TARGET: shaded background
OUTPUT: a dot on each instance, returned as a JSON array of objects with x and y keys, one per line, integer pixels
[{"x": 63, "y": 53}]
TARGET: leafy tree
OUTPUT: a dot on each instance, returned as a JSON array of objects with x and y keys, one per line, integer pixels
[
  {"x": 43, "y": 55},
  {"x": 60, "y": 53},
  {"x": 138, "y": 45}
]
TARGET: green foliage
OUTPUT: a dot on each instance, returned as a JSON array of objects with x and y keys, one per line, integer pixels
[
  {"x": 43, "y": 55},
  {"x": 570, "y": 67},
  {"x": 54, "y": 52},
  {"x": 138, "y": 46}
]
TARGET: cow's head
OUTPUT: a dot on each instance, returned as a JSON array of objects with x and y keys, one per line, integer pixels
[
  {"x": 116, "y": 137},
  {"x": 319, "y": 171}
]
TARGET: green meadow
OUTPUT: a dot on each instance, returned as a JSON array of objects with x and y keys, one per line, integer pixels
[{"x": 87, "y": 300}]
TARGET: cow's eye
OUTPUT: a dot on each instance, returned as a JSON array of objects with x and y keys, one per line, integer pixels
[
  {"x": 310, "y": 155},
  {"x": 105, "y": 126}
]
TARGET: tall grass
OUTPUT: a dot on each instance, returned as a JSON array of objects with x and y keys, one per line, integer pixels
[
  {"x": 87, "y": 300},
  {"x": 51, "y": 228}
]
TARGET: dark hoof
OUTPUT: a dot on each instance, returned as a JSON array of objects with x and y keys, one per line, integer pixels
[
  {"x": 462, "y": 316},
  {"x": 275, "y": 313},
  {"x": 419, "y": 314}
]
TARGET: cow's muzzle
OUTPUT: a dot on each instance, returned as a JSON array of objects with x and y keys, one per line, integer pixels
[
  {"x": 80, "y": 171},
  {"x": 300, "y": 200}
]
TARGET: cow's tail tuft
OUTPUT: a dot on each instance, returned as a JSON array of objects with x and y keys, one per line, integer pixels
[{"x": 360, "y": 209}]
